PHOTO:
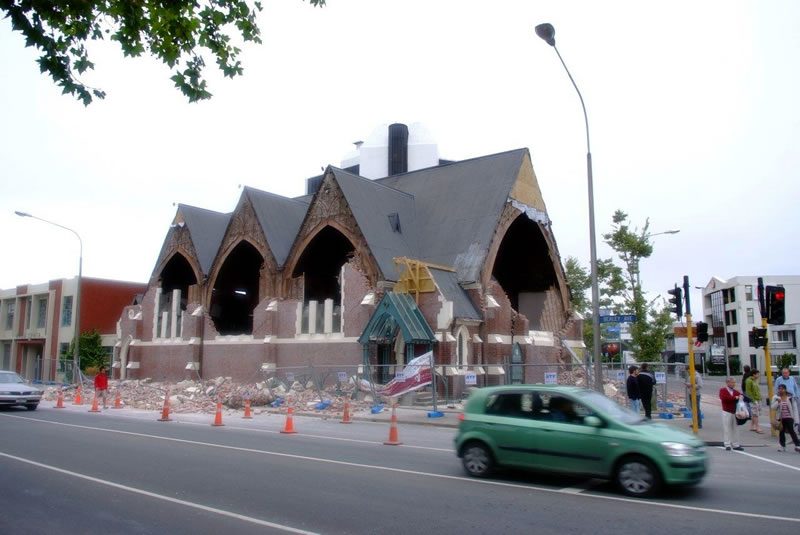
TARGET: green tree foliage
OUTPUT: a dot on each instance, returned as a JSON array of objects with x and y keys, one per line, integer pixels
[
  {"x": 177, "y": 32},
  {"x": 92, "y": 352},
  {"x": 621, "y": 289}
]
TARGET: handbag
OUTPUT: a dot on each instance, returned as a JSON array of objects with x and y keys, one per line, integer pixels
[
  {"x": 742, "y": 413},
  {"x": 777, "y": 425}
]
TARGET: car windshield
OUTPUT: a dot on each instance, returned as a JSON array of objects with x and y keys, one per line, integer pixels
[
  {"x": 611, "y": 408},
  {"x": 10, "y": 377}
]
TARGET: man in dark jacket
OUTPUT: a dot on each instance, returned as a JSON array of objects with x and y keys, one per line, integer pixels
[
  {"x": 632, "y": 385},
  {"x": 646, "y": 384}
]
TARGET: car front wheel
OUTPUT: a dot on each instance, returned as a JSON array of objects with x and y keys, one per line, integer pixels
[
  {"x": 477, "y": 460},
  {"x": 638, "y": 477},
  {"x": 31, "y": 406}
]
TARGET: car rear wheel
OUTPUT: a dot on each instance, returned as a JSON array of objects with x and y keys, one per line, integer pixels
[
  {"x": 477, "y": 460},
  {"x": 31, "y": 406},
  {"x": 638, "y": 477}
]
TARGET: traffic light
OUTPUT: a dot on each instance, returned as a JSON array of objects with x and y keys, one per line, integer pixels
[
  {"x": 702, "y": 331},
  {"x": 758, "y": 337},
  {"x": 677, "y": 301},
  {"x": 776, "y": 305}
]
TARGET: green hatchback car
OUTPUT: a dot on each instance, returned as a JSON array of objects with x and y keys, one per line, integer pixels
[{"x": 574, "y": 431}]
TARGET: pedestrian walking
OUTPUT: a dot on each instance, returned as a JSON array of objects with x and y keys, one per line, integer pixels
[
  {"x": 792, "y": 389},
  {"x": 729, "y": 396},
  {"x": 101, "y": 385},
  {"x": 698, "y": 387},
  {"x": 646, "y": 382},
  {"x": 785, "y": 413},
  {"x": 753, "y": 393},
  {"x": 632, "y": 386}
]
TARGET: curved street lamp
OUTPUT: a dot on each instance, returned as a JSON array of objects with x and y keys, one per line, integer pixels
[
  {"x": 76, "y": 354},
  {"x": 548, "y": 33}
]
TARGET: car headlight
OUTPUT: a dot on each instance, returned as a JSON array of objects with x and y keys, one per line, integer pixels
[{"x": 676, "y": 449}]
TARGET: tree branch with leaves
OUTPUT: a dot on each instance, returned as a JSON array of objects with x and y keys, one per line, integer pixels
[{"x": 179, "y": 33}]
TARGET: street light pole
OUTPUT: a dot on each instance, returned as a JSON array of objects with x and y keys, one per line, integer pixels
[
  {"x": 547, "y": 33},
  {"x": 76, "y": 354}
]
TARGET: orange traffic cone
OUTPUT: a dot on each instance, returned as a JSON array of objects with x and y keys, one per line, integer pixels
[
  {"x": 288, "y": 428},
  {"x": 78, "y": 400},
  {"x": 165, "y": 411},
  {"x": 218, "y": 416},
  {"x": 94, "y": 404},
  {"x": 117, "y": 401},
  {"x": 346, "y": 413},
  {"x": 60, "y": 400},
  {"x": 247, "y": 409},
  {"x": 393, "y": 438}
]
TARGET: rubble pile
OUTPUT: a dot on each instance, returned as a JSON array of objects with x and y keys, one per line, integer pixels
[{"x": 202, "y": 396}]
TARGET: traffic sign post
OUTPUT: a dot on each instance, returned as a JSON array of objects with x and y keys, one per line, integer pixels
[{"x": 620, "y": 318}]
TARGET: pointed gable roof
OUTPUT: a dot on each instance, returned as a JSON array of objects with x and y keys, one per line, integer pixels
[
  {"x": 386, "y": 217},
  {"x": 459, "y": 206},
  {"x": 280, "y": 219},
  {"x": 206, "y": 228}
]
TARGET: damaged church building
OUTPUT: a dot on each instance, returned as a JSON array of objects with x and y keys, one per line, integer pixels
[{"x": 392, "y": 255}]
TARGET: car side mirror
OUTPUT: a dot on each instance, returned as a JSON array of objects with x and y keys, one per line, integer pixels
[{"x": 593, "y": 421}]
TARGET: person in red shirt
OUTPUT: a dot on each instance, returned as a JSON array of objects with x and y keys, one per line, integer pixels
[
  {"x": 728, "y": 395},
  {"x": 101, "y": 384}
]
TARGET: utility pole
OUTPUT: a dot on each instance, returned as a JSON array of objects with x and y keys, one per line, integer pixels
[
  {"x": 767, "y": 359},
  {"x": 690, "y": 344}
]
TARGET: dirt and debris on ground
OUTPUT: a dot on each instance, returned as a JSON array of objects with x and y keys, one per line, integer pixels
[
  {"x": 202, "y": 396},
  {"x": 273, "y": 395}
]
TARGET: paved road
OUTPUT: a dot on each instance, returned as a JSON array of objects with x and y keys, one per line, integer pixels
[{"x": 120, "y": 472}]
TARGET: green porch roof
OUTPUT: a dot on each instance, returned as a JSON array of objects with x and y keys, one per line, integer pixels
[{"x": 397, "y": 311}]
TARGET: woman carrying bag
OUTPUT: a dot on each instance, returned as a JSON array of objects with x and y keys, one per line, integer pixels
[{"x": 786, "y": 414}]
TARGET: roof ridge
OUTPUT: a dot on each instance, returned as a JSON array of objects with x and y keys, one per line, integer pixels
[
  {"x": 371, "y": 181},
  {"x": 468, "y": 160},
  {"x": 274, "y": 195},
  {"x": 183, "y": 205}
]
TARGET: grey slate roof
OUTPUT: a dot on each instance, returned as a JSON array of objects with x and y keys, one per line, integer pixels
[
  {"x": 371, "y": 204},
  {"x": 458, "y": 207},
  {"x": 280, "y": 218},
  {"x": 447, "y": 282},
  {"x": 207, "y": 229}
]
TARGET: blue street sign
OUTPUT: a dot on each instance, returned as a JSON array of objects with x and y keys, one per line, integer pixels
[
  {"x": 622, "y": 318},
  {"x": 613, "y": 329}
]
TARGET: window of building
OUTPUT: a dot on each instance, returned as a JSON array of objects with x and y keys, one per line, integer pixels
[
  {"x": 753, "y": 362},
  {"x": 733, "y": 339},
  {"x": 5, "y": 361},
  {"x": 28, "y": 312},
  {"x": 66, "y": 311},
  {"x": 748, "y": 292},
  {"x": 780, "y": 336},
  {"x": 10, "y": 308},
  {"x": 42, "y": 316},
  {"x": 730, "y": 317},
  {"x": 751, "y": 316}
]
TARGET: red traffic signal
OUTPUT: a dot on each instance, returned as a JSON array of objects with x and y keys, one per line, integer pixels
[{"x": 776, "y": 305}]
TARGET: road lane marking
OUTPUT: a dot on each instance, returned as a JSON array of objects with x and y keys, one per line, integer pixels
[
  {"x": 768, "y": 460},
  {"x": 134, "y": 490},
  {"x": 577, "y": 489},
  {"x": 425, "y": 474},
  {"x": 449, "y": 451}
]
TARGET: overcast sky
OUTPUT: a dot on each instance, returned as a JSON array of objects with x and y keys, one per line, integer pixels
[{"x": 692, "y": 109}]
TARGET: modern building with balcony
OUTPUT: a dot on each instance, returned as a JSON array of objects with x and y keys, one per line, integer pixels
[
  {"x": 731, "y": 309},
  {"x": 37, "y": 322}
]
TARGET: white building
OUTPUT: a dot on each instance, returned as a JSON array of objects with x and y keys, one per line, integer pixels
[{"x": 731, "y": 310}]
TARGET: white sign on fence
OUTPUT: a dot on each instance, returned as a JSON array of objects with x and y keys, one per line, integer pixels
[
  {"x": 661, "y": 378},
  {"x": 550, "y": 378},
  {"x": 289, "y": 377},
  {"x": 620, "y": 375},
  {"x": 342, "y": 377},
  {"x": 470, "y": 378}
]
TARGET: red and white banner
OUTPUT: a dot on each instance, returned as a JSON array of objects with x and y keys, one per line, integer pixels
[{"x": 415, "y": 375}]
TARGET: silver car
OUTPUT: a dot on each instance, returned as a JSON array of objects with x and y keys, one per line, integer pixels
[{"x": 14, "y": 390}]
